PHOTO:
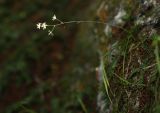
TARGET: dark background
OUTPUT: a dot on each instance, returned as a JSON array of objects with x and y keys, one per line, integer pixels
[{"x": 43, "y": 74}]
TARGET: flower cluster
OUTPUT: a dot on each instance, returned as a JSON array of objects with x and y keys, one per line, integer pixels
[{"x": 44, "y": 26}]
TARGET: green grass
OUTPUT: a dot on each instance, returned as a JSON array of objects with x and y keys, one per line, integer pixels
[
  {"x": 105, "y": 79},
  {"x": 82, "y": 105},
  {"x": 156, "y": 43}
]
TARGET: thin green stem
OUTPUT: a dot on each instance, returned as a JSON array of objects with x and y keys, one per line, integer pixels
[
  {"x": 83, "y": 21},
  {"x": 82, "y": 105}
]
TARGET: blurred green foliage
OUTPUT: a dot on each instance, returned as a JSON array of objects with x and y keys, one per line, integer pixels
[{"x": 42, "y": 74}]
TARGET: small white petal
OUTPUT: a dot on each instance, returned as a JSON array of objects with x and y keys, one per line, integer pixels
[
  {"x": 39, "y": 26},
  {"x": 50, "y": 32},
  {"x": 44, "y": 25},
  {"x": 54, "y": 17}
]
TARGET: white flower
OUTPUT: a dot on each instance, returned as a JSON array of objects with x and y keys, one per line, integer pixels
[
  {"x": 54, "y": 17},
  {"x": 50, "y": 32},
  {"x": 44, "y": 25},
  {"x": 39, "y": 26}
]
